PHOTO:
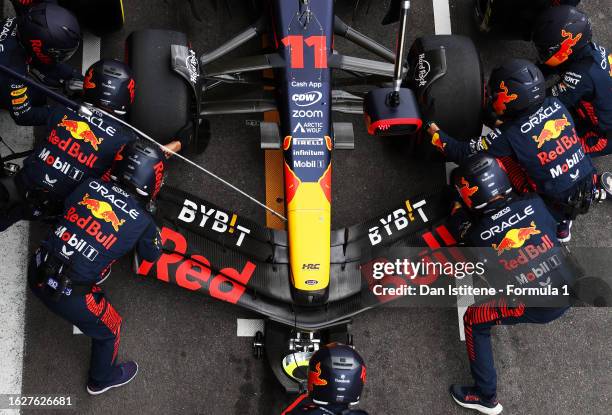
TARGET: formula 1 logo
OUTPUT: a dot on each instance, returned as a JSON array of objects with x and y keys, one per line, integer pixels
[
  {"x": 566, "y": 48},
  {"x": 102, "y": 210},
  {"x": 499, "y": 106},
  {"x": 81, "y": 131},
  {"x": 515, "y": 238},
  {"x": 552, "y": 130},
  {"x": 306, "y": 99}
]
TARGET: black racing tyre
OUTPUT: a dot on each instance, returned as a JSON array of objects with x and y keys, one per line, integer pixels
[
  {"x": 455, "y": 100},
  {"x": 163, "y": 99},
  {"x": 101, "y": 17}
]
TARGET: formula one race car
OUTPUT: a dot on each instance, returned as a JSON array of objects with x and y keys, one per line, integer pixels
[{"x": 307, "y": 280}]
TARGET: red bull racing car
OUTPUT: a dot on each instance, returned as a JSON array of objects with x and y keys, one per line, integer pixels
[{"x": 307, "y": 280}]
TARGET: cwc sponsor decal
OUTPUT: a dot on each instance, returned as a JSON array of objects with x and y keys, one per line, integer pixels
[
  {"x": 58, "y": 164},
  {"x": 195, "y": 273},
  {"x": 103, "y": 211},
  {"x": 515, "y": 238},
  {"x": 396, "y": 221},
  {"x": 76, "y": 243},
  {"x": 306, "y": 99},
  {"x": 214, "y": 219},
  {"x": 551, "y": 131}
]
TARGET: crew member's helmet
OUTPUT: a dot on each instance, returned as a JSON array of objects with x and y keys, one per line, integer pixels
[
  {"x": 49, "y": 33},
  {"x": 479, "y": 180},
  {"x": 336, "y": 374},
  {"x": 516, "y": 88},
  {"x": 140, "y": 170},
  {"x": 559, "y": 32},
  {"x": 109, "y": 84}
]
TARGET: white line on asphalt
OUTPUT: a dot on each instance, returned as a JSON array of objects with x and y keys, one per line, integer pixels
[
  {"x": 442, "y": 20},
  {"x": 91, "y": 54},
  {"x": 248, "y": 327},
  {"x": 14, "y": 245},
  {"x": 442, "y": 26}
]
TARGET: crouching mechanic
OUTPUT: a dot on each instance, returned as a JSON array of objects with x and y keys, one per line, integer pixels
[
  {"x": 102, "y": 222},
  {"x": 563, "y": 38},
  {"x": 509, "y": 229},
  {"x": 37, "y": 43},
  {"x": 537, "y": 132},
  {"x": 77, "y": 146},
  {"x": 336, "y": 375}
]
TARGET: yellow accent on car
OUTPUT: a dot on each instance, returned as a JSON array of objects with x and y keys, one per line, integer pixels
[
  {"x": 122, "y": 11},
  {"x": 309, "y": 219}
]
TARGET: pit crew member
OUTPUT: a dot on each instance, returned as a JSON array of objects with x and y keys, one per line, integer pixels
[
  {"x": 537, "y": 132},
  {"x": 563, "y": 38},
  {"x": 101, "y": 223},
  {"x": 490, "y": 216},
  {"x": 336, "y": 375}
]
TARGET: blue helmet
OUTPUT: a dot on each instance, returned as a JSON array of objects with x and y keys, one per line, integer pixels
[
  {"x": 336, "y": 374},
  {"x": 140, "y": 169}
]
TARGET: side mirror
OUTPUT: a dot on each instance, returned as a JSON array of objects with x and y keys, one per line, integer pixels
[{"x": 390, "y": 112}]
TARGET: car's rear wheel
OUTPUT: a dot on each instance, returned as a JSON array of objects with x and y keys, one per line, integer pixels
[
  {"x": 163, "y": 99},
  {"x": 99, "y": 16}
]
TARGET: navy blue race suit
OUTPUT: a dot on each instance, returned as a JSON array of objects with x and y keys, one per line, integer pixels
[
  {"x": 26, "y": 105},
  {"x": 101, "y": 224},
  {"x": 520, "y": 233},
  {"x": 303, "y": 405},
  {"x": 586, "y": 89},
  {"x": 77, "y": 147},
  {"x": 545, "y": 145}
]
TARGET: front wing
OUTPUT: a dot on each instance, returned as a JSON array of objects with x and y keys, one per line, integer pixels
[{"x": 233, "y": 259}]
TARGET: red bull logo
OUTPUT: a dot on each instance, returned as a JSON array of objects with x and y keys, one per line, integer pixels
[
  {"x": 565, "y": 50},
  {"x": 467, "y": 192},
  {"x": 314, "y": 377},
  {"x": 87, "y": 84},
  {"x": 102, "y": 210},
  {"x": 503, "y": 98},
  {"x": 551, "y": 131},
  {"x": 81, "y": 131},
  {"x": 515, "y": 238},
  {"x": 437, "y": 142}
]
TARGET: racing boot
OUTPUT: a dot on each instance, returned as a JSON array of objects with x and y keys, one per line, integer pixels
[
  {"x": 564, "y": 231},
  {"x": 469, "y": 397},
  {"x": 126, "y": 372}
]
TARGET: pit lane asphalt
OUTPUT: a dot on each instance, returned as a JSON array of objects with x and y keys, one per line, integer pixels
[{"x": 192, "y": 362}]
